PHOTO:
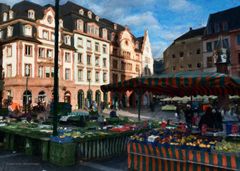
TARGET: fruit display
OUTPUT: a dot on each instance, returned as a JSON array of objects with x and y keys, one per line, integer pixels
[
  {"x": 224, "y": 146},
  {"x": 173, "y": 137}
]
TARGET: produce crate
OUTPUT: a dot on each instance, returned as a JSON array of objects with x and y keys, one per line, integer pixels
[{"x": 62, "y": 154}]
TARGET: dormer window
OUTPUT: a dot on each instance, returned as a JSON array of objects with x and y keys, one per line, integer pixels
[
  {"x": 67, "y": 40},
  {"x": 89, "y": 14},
  {"x": 5, "y": 16},
  {"x": 49, "y": 19},
  {"x": 80, "y": 25},
  {"x": 61, "y": 23},
  {"x": 81, "y": 11},
  {"x": 28, "y": 30},
  {"x": 31, "y": 14},
  {"x": 9, "y": 31},
  {"x": 97, "y": 18},
  {"x": 10, "y": 14},
  {"x": 93, "y": 29},
  {"x": 115, "y": 26},
  {"x": 104, "y": 33}
]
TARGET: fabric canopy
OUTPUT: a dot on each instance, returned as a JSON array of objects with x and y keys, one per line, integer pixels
[{"x": 181, "y": 84}]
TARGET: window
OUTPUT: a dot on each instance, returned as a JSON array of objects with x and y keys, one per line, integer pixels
[
  {"x": 173, "y": 56},
  {"x": 45, "y": 35},
  {"x": 28, "y": 50},
  {"x": 9, "y": 51},
  {"x": 104, "y": 62},
  {"x": 49, "y": 19},
  {"x": 97, "y": 76},
  {"x": 5, "y": 16},
  {"x": 31, "y": 14},
  {"x": 89, "y": 14},
  {"x": 67, "y": 57},
  {"x": 52, "y": 72},
  {"x": 67, "y": 74},
  {"x": 209, "y": 46},
  {"x": 28, "y": 30},
  {"x": 52, "y": 36},
  {"x": 198, "y": 51},
  {"x": 49, "y": 53},
  {"x": 47, "y": 72},
  {"x": 89, "y": 59},
  {"x": 97, "y": 61},
  {"x": 10, "y": 14},
  {"x": 209, "y": 62},
  {"x": 199, "y": 65},
  {"x": 181, "y": 54},
  {"x": 92, "y": 29},
  {"x": 89, "y": 45},
  {"x": 97, "y": 47},
  {"x": 189, "y": 66},
  {"x": 123, "y": 65},
  {"x": 216, "y": 28},
  {"x": 104, "y": 33},
  {"x": 225, "y": 43},
  {"x": 40, "y": 71},
  {"x": 238, "y": 39},
  {"x": 41, "y": 53},
  {"x": 9, "y": 70},
  {"x": 225, "y": 26},
  {"x": 80, "y": 75},
  {"x": 81, "y": 11},
  {"x": 104, "y": 77},
  {"x": 115, "y": 64},
  {"x": 104, "y": 49},
  {"x": 79, "y": 59},
  {"x": 9, "y": 31},
  {"x": 89, "y": 75},
  {"x": 27, "y": 70},
  {"x": 80, "y": 25},
  {"x": 80, "y": 42},
  {"x": 60, "y": 23},
  {"x": 67, "y": 40},
  {"x": 97, "y": 18},
  {"x": 137, "y": 68}
]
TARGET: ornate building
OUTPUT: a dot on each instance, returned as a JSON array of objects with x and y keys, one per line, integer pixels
[{"x": 92, "y": 50}]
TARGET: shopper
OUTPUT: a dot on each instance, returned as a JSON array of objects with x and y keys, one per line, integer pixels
[
  {"x": 188, "y": 116},
  {"x": 113, "y": 113}
]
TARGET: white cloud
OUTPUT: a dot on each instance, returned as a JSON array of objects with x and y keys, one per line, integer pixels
[{"x": 182, "y": 5}]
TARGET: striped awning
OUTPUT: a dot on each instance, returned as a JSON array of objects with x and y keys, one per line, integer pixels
[{"x": 181, "y": 84}]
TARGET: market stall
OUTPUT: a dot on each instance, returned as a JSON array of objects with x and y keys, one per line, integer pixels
[{"x": 170, "y": 150}]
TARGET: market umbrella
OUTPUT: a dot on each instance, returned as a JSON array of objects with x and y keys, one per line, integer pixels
[{"x": 181, "y": 84}]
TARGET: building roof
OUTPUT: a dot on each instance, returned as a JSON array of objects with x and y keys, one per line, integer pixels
[
  {"x": 191, "y": 33},
  {"x": 229, "y": 17}
]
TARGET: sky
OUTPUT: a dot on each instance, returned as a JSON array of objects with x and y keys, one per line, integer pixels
[{"x": 165, "y": 20}]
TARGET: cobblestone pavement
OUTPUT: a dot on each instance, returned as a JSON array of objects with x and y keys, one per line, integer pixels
[{"x": 20, "y": 162}]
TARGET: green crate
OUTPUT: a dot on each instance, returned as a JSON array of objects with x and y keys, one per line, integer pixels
[{"x": 62, "y": 154}]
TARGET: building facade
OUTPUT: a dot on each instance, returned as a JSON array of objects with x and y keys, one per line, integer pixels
[
  {"x": 89, "y": 47},
  {"x": 158, "y": 66},
  {"x": 185, "y": 53}
]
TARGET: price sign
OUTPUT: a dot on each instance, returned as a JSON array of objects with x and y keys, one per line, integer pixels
[
  {"x": 234, "y": 129},
  {"x": 204, "y": 129}
]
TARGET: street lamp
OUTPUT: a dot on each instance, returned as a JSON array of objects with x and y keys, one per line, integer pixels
[{"x": 27, "y": 73}]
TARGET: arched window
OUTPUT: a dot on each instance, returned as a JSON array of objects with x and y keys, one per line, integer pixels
[
  {"x": 89, "y": 14},
  {"x": 80, "y": 25},
  {"x": 5, "y": 16},
  {"x": 31, "y": 14},
  {"x": 9, "y": 31},
  {"x": 81, "y": 11},
  {"x": 10, "y": 14},
  {"x": 28, "y": 30},
  {"x": 41, "y": 96}
]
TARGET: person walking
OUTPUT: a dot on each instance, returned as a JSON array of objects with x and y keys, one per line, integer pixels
[{"x": 188, "y": 116}]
